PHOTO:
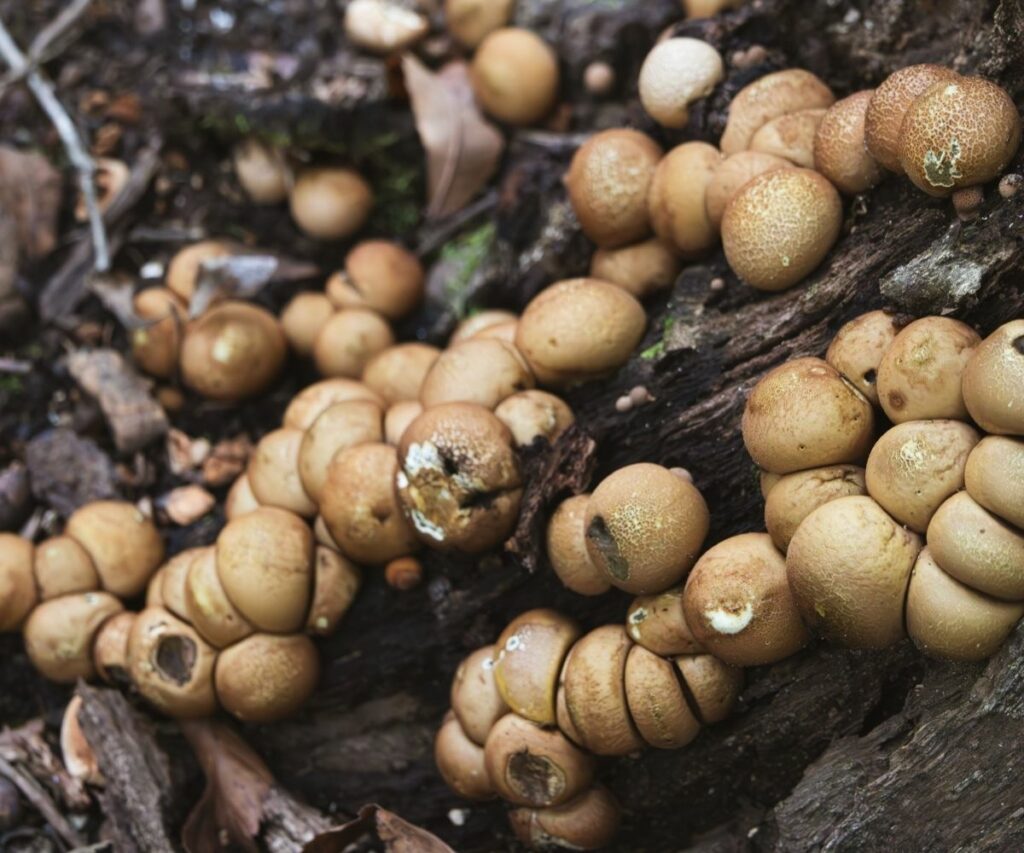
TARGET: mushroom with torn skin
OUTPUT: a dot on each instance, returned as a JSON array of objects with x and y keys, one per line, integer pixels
[
  {"x": 515, "y": 76},
  {"x": 589, "y": 822},
  {"x": 803, "y": 414},
  {"x": 156, "y": 346},
  {"x": 657, "y": 703},
  {"x": 848, "y": 566},
  {"x": 266, "y": 677},
  {"x": 460, "y": 762},
  {"x": 311, "y": 402},
  {"x": 780, "y": 226},
  {"x": 59, "y": 634},
  {"x": 62, "y": 566},
  {"x": 579, "y": 329},
  {"x": 475, "y": 698},
  {"x": 335, "y": 584},
  {"x": 949, "y": 620},
  {"x": 677, "y": 72},
  {"x": 993, "y": 381},
  {"x": 676, "y": 201},
  {"x": 331, "y": 204},
  {"x": 994, "y": 477},
  {"x": 641, "y": 269},
  {"x": 840, "y": 152},
  {"x": 382, "y": 26},
  {"x": 207, "y": 606},
  {"x": 240, "y": 498},
  {"x": 459, "y": 481},
  {"x": 658, "y": 623},
  {"x": 916, "y": 465},
  {"x": 343, "y": 425},
  {"x": 567, "y": 549},
  {"x": 183, "y": 271},
  {"x": 795, "y": 496},
  {"x": 858, "y": 347},
  {"x": 731, "y": 175},
  {"x": 380, "y": 275},
  {"x": 534, "y": 414},
  {"x": 790, "y": 136},
  {"x": 483, "y": 371},
  {"x": 274, "y": 474},
  {"x": 532, "y": 766},
  {"x": 471, "y": 21},
  {"x": 397, "y": 373},
  {"x": 738, "y": 603},
  {"x": 110, "y": 649},
  {"x": 920, "y": 375},
  {"x": 262, "y": 171},
  {"x": 608, "y": 183},
  {"x": 713, "y": 684},
  {"x": 348, "y": 340},
  {"x": 397, "y": 419},
  {"x": 303, "y": 318}
]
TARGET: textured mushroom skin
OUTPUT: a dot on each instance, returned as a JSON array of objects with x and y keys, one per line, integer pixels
[
  {"x": 859, "y": 346},
  {"x": 731, "y": 174},
  {"x": 676, "y": 201},
  {"x": 658, "y": 623},
  {"x": 460, "y": 762},
  {"x": 675, "y": 73},
  {"x": 657, "y": 703},
  {"x": 795, "y": 496},
  {"x": 840, "y": 153},
  {"x": 790, "y": 136},
  {"x": 267, "y": 677},
  {"x": 995, "y": 477},
  {"x": 590, "y": 822},
  {"x": 515, "y": 76},
  {"x": 993, "y": 381}
]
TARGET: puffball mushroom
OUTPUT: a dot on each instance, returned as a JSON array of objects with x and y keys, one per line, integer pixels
[
  {"x": 397, "y": 419},
  {"x": 790, "y": 136},
  {"x": 124, "y": 545},
  {"x": 588, "y": 822},
  {"x": 858, "y": 347},
  {"x": 567, "y": 549},
  {"x": 110, "y": 648},
  {"x": 303, "y": 318},
  {"x": 848, "y": 565},
  {"x": 738, "y": 603},
  {"x": 380, "y": 275},
  {"x": 644, "y": 527},
  {"x": 156, "y": 346},
  {"x": 676, "y": 73},
  {"x": 949, "y": 620},
  {"x": 780, "y": 226},
  {"x": 916, "y": 465},
  {"x": 274, "y": 474},
  {"x": 994, "y": 477},
  {"x": 579, "y": 329},
  {"x": 993, "y": 381},
  {"x": 233, "y": 351},
  {"x": 795, "y": 496},
  {"x": 240, "y": 498},
  {"x": 840, "y": 151},
  {"x": 312, "y": 401},
  {"x": 532, "y": 414},
  {"x": 460, "y": 762},
  {"x": 397, "y": 373},
  {"x": 771, "y": 96},
  {"x": 262, "y": 171},
  {"x": 476, "y": 701},
  {"x": 713, "y": 684},
  {"x": 348, "y": 341},
  {"x": 62, "y": 566},
  {"x": 803, "y": 414},
  {"x": 641, "y": 269},
  {"x": 183, "y": 270},
  {"x": 331, "y": 204},
  {"x": 920, "y": 375},
  {"x": 341, "y": 426},
  {"x": 483, "y": 371},
  {"x": 59, "y": 634},
  {"x": 515, "y": 76},
  {"x": 267, "y": 677},
  {"x": 677, "y": 195},
  {"x": 657, "y": 702},
  {"x": 658, "y": 623},
  {"x": 608, "y": 182},
  {"x": 471, "y": 21},
  {"x": 383, "y": 27},
  {"x": 207, "y": 606},
  {"x": 335, "y": 584},
  {"x": 959, "y": 133},
  {"x": 731, "y": 174},
  {"x": 476, "y": 323}
]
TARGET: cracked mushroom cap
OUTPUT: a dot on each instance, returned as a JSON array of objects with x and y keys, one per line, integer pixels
[
  {"x": 482, "y": 370},
  {"x": 267, "y": 677},
  {"x": 995, "y": 477},
  {"x": 848, "y": 567},
  {"x": 920, "y": 374},
  {"x": 640, "y": 269},
  {"x": 207, "y": 605},
  {"x": 790, "y": 136},
  {"x": 303, "y": 318},
  {"x": 657, "y": 702},
  {"x": 579, "y": 329},
  {"x": 315, "y": 399},
  {"x": 476, "y": 700},
  {"x": 124, "y": 545},
  {"x": 676, "y": 201},
  {"x": 644, "y": 527},
  {"x": 959, "y": 133},
  {"x": 340, "y": 427},
  {"x": 110, "y": 649},
  {"x": 171, "y": 665},
  {"x": 840, "y": 153},
  {"x": 567, "y": 549},
  {"x": 993, "y": 381},
  {"x": 731, "y": 175},
  {"x": 947, "y": 619},
  {"x": 397, "y": 373},
  {"x": 336, "y": 582},
  {"x": 532, "y": 414},
  {"x": 916, "y": 465},
  {"x": 608, "y": 182},
  {"x": 738, "y": 603},
  {"x": 515, "y": 76},
  {"x": 589, "y": 822},
  {"x": 858, "y": 347},
  {"x": 658, "y": 623},
  {"x": 796, "y": 496},
  {"x": 330, "y": 204},
  {"x": 458, "y": 480},
  {"x": 677, "y": 72},
  {"x": 803, "y": 414},
  {"x": 274, "y": 474},
  {"x": 380, "y": 275},
  {"x": 349, "y": 339},
  {"x": 62, "y": 566},
  {"x": 460, "y": 762},
  {"x": 59, "y": 634},
  {"x": 156, "y": 346},
  {"x": 360, "y": 508}
]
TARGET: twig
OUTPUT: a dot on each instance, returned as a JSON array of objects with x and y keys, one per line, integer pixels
[
  {"x": 43, "y": 803},
  {"x": 40, "y": 49},
  {"x": 13, "y": 365},
  {"x": 76, "y": 151},
  {"x": 440, "y": 233}
]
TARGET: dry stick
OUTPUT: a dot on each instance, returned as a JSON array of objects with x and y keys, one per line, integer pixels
[
  {"x": 39, "y": 50},
  {"x": 79, "y": 157},
  {"x": 43, "y": 803}
]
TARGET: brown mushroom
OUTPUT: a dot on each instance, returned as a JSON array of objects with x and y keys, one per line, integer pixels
[
  {"x": 207, "y": 605},
  {"x": 343, "y": 425},
  {"x": 331, "y": 204},
  {"x": 123, "y": 544},
  {"x": 587, "y": 823},
  {"x": 515, "y": 76},
  {"x": 381, "y": 276},
  {"x": 790, "y": 136},
  {"x": 475, "y": 698},
  {"x": 312, "y": 401},
  {"x": 470, "y": 21},
  {"x": 460, "y": 762},
  {"x": 994, "y": 477},
  {"x": 62, "y": 566},
  {"x": 262, "y": 171},
  {"x": 174, "y": 578},
  {"x": 267, "y": 677},
  {"x": 676, "y": 198},
  {"x": 183, "y": 270},
  {"x": 567, "y": 549},
  {"x": 304, "y": 318},
  {"x": 157, "y": 345},
  {"x": 481, "y": 370},
  {"x": 274, "y": 474},
  {"x": 349, "y": 340},
  {"x": 840, "y": 153},
  {"x": 641, "y": 269},
  {"x": 993, "y": 381},
  {"x": 335, "y": 584},
  {"x": 240, "y": 498},
  {"x": 677, "y": 72},
  {"x": 397, "y": 373},
  {"x": 397, "y": 419},
  {"x": 657, "y": 702},
  {"x": 858, "y": 347},
  {"x": 532, "y": 414},
  {"x": 110, "y": 649},
  {"x": 731, "y": 175},
  {"x": 795, "y": 496},
  {"x": 479, "y": 322},
  {"x": 59, "y": 634},
  {"x": 658, "y": 623},
  {"x": 713, "y": 685}
]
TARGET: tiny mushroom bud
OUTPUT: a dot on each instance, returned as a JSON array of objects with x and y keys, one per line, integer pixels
[
  {"x": 471, "y": 21},
  {"x": 79, "y": 758},
  {"x": 267, "y": 677},
  {"x": 240, "y": 499},
  {"x": 658, "y": 623},
  {"x": 460, "y": 762},
  {"x": 262, "y": 171},
  {"x": 110, "y": 649},
  {"x": 207, "y": 605},
  {"x": 642, "y": 268},
  {"x": 62, "y": 566},
  {"x": 397, "y": 419},
  {"x": 382, "y": 26},
  {"x": 1010, "y": 185},
  {"x": 676, "y": 73},
  {"x": 348, "y": 340},
  {"x": 599, "y": 78},
  {"x": 534, "y": 414},
  {"x": 343, "y": 425},
  {"x": 331, "y": 204},
  {"x": 795, "y": 496},
  {"x": 380, "y": 275},
  {"x": 404, "y": 573},
  {"x": 567, "y": 549},
  {"x": 59, "y": 634},
  {"x": 995, "y": 477},
  {"x": 790, "y": 136},
  {"x": 967, "y": 202},
  {"x": 515, "y": 76},
  {"x": 475, "y": 699},
  {"x": 157, "y": 345},
  {"x": 676, "y": 202},
  {"x": 608, "y": 182},
  {"x": 303, "y": 318},
  {"x": 587, "y": 823},
  {"x": 311, "y": 402},
  {"x": 839, "y": 148},
  {"x": 183, "y": 270},
  {"x": 713, "y": 684},
  {"x": 657, "y": 702},
  {"x": 335, "y": 584},
  {"x": 993, "y": 381},
  {"x": 274, "y": 472},
  {"x": 731, "y": 174},
  {"x": 858, "y": 347},
  {"x": 482, "y": 370},
  {"x": 397, "y": 373},
  {"x": 123, "y": 544}
]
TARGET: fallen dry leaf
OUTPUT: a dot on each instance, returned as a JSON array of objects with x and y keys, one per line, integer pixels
[
  {"x": 463, "y": 148},
  {"x": 187, "y": 504},
  {"x": 243, "y": 276},
  {"x": 31, "y": 188},
  {"x": 227, "y": 460},
  {"x": 397, "y": 835}
]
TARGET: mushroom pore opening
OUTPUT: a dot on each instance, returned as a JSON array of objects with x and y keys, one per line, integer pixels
[
  {"x": 175, "y": 657},
  {"x": 535, "y": 777},
  {"x": 601, "y": 536}
]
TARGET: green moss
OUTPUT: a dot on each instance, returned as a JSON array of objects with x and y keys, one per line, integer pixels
[
  {"x": 657, "y": 350},
  {"x": 465, "y": 255}
]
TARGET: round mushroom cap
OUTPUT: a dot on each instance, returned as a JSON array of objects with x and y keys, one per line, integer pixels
[
  {"x": 531, "y": 766},
  {"x": 110, "y": 649},
  {"x": 360, "y": 508},
  {"x": 207, "y": 605},
  {"x": 848, "y": 566},
  {"x": 714, "y": 685},
  {"x": 240, "y": 498},
  {"x": 790, "y": 136},
  {"x": 62, "y": 566},
  {"x": 567, "y": 549},
  {"x": 274, "y": 475},
  {"x": 349, "y": 340},
  {"x": 470, "y": 21},
  {"x": 731, "y": 175},
  {"x": 771, "y": 96},
  {"x": 959, "y": 133},
  {"x": 460, "y": 762},
  {"x": 303, "y": 318},
  {"x": 767, "y": 481},
  {"x": 528, "y": 659},
  {"x": 479, "y": 322},
  {"x": 677, "y": 72},
  {"x": 155, "y": 589},
  {"x": 640, "y": 269},
  {"x": 977, "y": 548},
  {"x": 233, "y": 351},
  {"x": 475, "y": 699},
  {"x": 994, "y": 476},
  {"x": 482, "y": 370},
  {"x": 515, "y": 76},
  {"x": 267, "y": 677},
  {"x": 156, "y": 346},
  {"x": 888, "y": 107},
  {"x": 676, "y": 198},
  {"x": 397, "y": 373},
  {"x": 920, "y": 375},
  {"x": 343, "y": 425},
  {"x": 608, "y": 182},
  {"x": 916, "y": 465},
  {"x": 802, "y": 415},
  {"x": 124, "y": 545},
  {"x": 644, "y": 527},
  {"x": 265, "y": 563},
  {"x": 336, "y": 582},
  {"x": 397, "y": 419},
  {"x": 380, "y": 275},
  {"x": 59, "y": 634},
  {"x": 780, "y": 226},
  {"x": 595, "y": 692},
  {"x": 657, "y": 703},
  {"x": 459, "y": 480},
  {"x": 262, "y": 171},
  {"x": 797, "y": 495},
  {"x": 947, "y": 619},
  {"x": 174, "y": 578},
  {"x": 993, "y": 381},
  {"x": 579, "y": 329},
  {"x": 183, "y": 270},
  {"x": 17, "y": 582},
  {"x": 589, "y": 822},
  {"x": 858, "y": 347},
  {"x": 738, "y": 603},
  {"x": 530, "y": 415},
  {"x": 313, "y": 401},
  {"x": 658, "y": 623},
  {"x": 171, "y": 665},
  {"x": 331, "y": 204},
  {"x": 839, "y": 148}
]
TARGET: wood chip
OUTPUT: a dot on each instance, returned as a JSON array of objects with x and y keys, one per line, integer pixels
[{"x": 187, "y": 504}]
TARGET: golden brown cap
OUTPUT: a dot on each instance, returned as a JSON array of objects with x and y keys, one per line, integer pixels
[
  {"x": 640, "y": 269},
  {"x": 567, "y": 549},
  {"x": 312, "y": 401},
  {"x": 995, "y": 477},
  {"x": 515, "y": 76},
  {"x": 59, "y": 634},
  {"x": 676, "y": 200},
  {"x": 156, "y": 346},
  {"x": 397, "y": 373},
  {"x": 475, "y": 698},
  {"x": 207, "y": 605},
  {"x": 62, "y": 566},
  {"x": 341, "y": 426},
  {"x": 840, "y": 153},
  {"x": 731, "y": 175},
  {"x": 795, "y": 496},
  {"x": 348, "y": 340},
  {"x": 790, "y": 136},
  {"x": 331, "y": 204},
  {"x": 274, "y": 474},
  {"x": 124, "y": 545},
  {"x": 482, "y": 370},
  {"x": 993, "y": 381},
  {"x": 589, "y": 822},
  {"x": 380, "y": 275},
  {"x": 858, "y": 347},
  {"x": 657, "y": 702},
  {"x": 267, "y": 677},
  {"x": 658, "y": 623},
  {"x": 460, "y": 762}
]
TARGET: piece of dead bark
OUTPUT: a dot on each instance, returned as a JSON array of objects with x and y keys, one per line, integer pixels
[
  {"x": 184, "y": 453},
  {"x": 134, "y": 417},
  {"x": 31, "y": 188},
  {"x": 187, "y": 504},
  {"x": 397, "y": 835},
  {"x": 67, "y": 471},
  {"x": 463, "y": 148},
  {"x": 243, "y": 276},
  {"x": 227, "y": 460},
  {"x": 15, "y": 495}
]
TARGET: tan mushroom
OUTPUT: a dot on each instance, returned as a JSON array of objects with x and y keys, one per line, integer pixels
[
  {"x": 676, "y": 200},
  {"x": 267, "y": 677},
  {"x": 993, "y": 381},
  {"x": 123, "y": 544},
  {"x": 59, "y": 634},
  {"x": 567, "y": 549},
  {"x": 858, "y": 347}
]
